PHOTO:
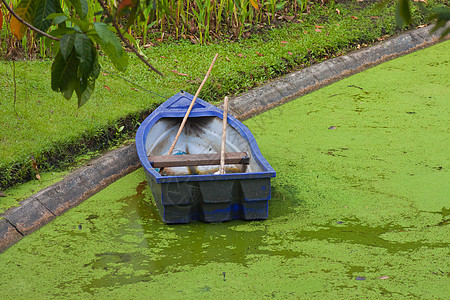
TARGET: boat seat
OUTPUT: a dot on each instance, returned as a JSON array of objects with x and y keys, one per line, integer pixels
[{"x": 163, "y": 161}]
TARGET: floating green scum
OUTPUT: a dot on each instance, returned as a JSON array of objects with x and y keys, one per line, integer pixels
[{"x": 359, "y": 209}]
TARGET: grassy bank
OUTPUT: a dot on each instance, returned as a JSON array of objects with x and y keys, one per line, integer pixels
[{"x": 43, "y": 124}]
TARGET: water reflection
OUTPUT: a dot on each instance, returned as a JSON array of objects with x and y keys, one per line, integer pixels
[
  {"x": 156, "y": 248},
  {"x": 194, "y": 243},
  {"x": 161, "y": 248}
]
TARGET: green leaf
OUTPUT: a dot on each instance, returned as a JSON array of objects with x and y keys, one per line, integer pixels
[
  {"x": 83, "y": 96},
  {"x": 86, "y": 53},
  {"x": 43, "y": 10},
  {"x": 110, "y": 45},
  {"x": 83, "y": 46},
  {"x": 55, "y": 47},
  {"x": 60, "y": 31},
  {"x": 82, "y": 25},
  {"x": 441, "y": 17},
  {"x": 79, "y": 71},
  {"x": 64, "y": 72},
  {"x": 66, "y": 45},
  {"x": 279, "y": 6},
  {"x": 106, "y": 35},
  {"x": 403, "y": 12},
  {"x": 81, "y": 7},
  {"x": 96, "y": 67},
  {"x": 57, "y": 18},
  {"x": 70, "y": 88}
]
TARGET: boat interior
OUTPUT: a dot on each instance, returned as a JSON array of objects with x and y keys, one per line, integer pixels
[{"x": 200, "y": 135}]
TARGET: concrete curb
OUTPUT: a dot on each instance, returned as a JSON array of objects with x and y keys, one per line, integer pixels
[
  {"x": 52, "y": 201},
  {"x": 307, "y": 80}
]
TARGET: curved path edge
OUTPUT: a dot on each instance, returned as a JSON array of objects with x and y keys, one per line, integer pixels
[
  {"x": 56, "y": 199},
  {"x": 307, "y": 80},
  {"x": 86, "y": 181}
]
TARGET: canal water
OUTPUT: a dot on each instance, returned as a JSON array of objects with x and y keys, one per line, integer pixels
[{"x": 359, "y": 209}]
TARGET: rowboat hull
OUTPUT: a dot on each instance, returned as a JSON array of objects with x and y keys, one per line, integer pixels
[{"x": 183, "y": 194}]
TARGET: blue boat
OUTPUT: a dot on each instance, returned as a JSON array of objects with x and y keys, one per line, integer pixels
[{"x": 186, "y": 186}]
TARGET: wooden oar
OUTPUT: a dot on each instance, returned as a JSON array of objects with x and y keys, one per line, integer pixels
[
  {"x": 191, "y": 106},
  {"x": 224, "y": 136}
]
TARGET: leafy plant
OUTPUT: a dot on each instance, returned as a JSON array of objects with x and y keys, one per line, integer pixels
[
  {"x": 437, "y": 15},
  {"x": 77, "y": 29},
  {"x": 75, "y": 67}
]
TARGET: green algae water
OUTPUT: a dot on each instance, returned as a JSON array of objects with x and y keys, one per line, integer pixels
[
  {"x": 360, "y": 209},
  {"x": 14, "y": 195},
  {"x": 11, "y": 197}
]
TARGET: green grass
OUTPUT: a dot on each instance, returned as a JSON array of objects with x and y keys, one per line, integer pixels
[{"x": 52, "y": 129}]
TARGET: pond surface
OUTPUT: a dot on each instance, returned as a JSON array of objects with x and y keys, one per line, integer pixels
[{"x": 359, "y": 209}]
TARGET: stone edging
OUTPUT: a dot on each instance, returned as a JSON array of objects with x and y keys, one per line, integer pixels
[
  {"x": 86, "y": 181},
  {"x": 307, "y": 80},
  {"x": 54, "y": 200}
]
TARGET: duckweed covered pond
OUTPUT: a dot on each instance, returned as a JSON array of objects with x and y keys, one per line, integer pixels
[{"x": 360, "y": 208}]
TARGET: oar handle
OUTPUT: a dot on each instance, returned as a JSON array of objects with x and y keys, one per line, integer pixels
[
  {"x": 224, "y": 136},
  {"x": 191, "y": 106}
]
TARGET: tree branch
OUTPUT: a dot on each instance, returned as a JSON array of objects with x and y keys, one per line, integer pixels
[
  {"x": 28, "y": 24},
  {"x": 129, "y": 46}
]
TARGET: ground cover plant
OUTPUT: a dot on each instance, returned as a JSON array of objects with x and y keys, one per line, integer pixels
[{"x": 40, "y": 124}]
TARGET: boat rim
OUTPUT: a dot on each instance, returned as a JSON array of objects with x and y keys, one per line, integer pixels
[{"x": 205, "y": 110}]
